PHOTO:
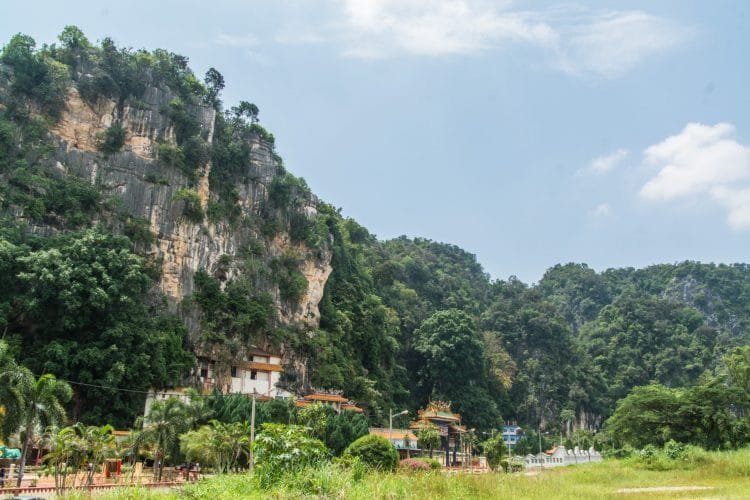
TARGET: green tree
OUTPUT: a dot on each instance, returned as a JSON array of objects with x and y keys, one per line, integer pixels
[
  {"x": 83, "y": 311},
  {"x": 165, "y": 421},
  {"x": 710, "y": 414},
  {"x": 29, "y": 402},
  {"x": 495, "y": 449},
  {"x": 429, "y": 437},
  {"x": 73, "y": 38},
  {"x": 455, "y": 366},
  {"x": 344, "y": 428},
  {"x": 215, "y": 84},
  {"x": 315, "y": 418},
  {"x": 35, "y": 76},
  {"x": 738, "y": 365}
]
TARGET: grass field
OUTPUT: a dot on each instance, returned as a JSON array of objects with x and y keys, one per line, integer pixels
[{"x": 715, "y": 475}]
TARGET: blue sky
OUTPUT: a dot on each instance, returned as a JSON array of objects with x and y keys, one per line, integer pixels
[{"x": 528, "y": 133}]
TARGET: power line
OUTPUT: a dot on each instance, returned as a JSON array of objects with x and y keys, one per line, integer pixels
[{"x": 153, "y": 391}]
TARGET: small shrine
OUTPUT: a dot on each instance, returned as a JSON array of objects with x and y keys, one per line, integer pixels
[{"x": 448, "y": 424}]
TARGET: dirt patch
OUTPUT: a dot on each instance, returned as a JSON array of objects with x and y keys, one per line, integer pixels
[{"x": 664, "y": 489}]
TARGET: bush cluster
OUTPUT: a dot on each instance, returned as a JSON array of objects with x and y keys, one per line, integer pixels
[
  {"x": 374, "y": 451},
  {"x": 672, "y": 455}
]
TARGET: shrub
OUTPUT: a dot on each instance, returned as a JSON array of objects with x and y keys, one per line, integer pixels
[
  {"x": 300, "y": 226},
  {"x": 515, "y": 464},
  {"x": 138, "y": 229},
  {"x": 285, "y": 189},
  {"x": 170, "y": 155},
  {"x": 155, "y": 179},
  {"x": 292, "y": 283},
  {"x": 284, "y": 449},
  {"x": 674, "y": 450},
  {"x": 192, "y": 209},
  {"x": 414, "y": 465},
  {"x": 196, "y": 152},
  {"x": 112, "y": 140},
  {"x": 374, "y": 451},
  {"x": 263, "y": 133},
  {"x": 185, "y": 125},
  {"x": 673, "y": 455},
  {"x": 98, "y": 84},
  {"x": 74, "y": 199}
]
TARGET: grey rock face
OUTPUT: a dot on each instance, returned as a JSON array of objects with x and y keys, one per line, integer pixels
[{"x": 139, "y": 185}]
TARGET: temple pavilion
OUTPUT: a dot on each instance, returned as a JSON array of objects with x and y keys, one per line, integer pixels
[
  {"x": 448, "y": 424},
  {"x": 332, "y": 398}
]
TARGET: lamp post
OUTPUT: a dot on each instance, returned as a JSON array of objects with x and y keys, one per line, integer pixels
[{"x": 390, "y": 422}]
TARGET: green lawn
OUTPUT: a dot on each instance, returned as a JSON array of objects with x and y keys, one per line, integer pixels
[{"x": 726, "y": 473}]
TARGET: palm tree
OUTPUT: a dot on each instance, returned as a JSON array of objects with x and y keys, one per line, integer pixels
[
  {"x": 38, "y": 401},
  {"x": 65, "y": 456},
  {"x": 218, "y": 444},
  {"x": 28, "y": 401},
  {"x": 99, "y": 444},
  {"x": 165, "y": 422}
]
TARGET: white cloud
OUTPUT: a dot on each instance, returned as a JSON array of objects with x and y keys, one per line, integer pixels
[
  {"x": 696, "y": 160},
  {"x": 737, "y": 203},
  {"x": 602, "y": 210},
  {"x": 382, "y": 28},
  {"x": 612, "y": 43},
  {"x": 578, "y": 41},
  {"x": 606, "y": 163},
  {"x": 703, "y": 160},
  {"x": 246, "y": 40}
]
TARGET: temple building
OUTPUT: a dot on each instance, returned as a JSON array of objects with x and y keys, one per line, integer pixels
[
  {"x": 448, "y": 424},
  {"x": 332, "y": 398},
  {"x": 257, "y": 373}
]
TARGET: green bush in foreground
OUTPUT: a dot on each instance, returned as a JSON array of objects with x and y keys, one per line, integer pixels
[
  {"x": 285, "y": 450},
  {"x": 374, "y": 451},
  {"x": 672, "y": 456}
]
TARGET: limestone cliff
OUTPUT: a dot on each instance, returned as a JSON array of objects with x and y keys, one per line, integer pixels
[{"x": 144, "y": 187}]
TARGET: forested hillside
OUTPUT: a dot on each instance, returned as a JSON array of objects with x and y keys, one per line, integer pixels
[{"x": 167, "y": 228}]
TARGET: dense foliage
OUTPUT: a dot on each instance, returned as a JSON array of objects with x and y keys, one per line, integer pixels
[{"x": 77, "y": 305}]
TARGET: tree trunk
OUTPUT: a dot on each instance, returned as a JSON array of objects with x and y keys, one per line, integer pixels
[{"x": 25, "y": 451}]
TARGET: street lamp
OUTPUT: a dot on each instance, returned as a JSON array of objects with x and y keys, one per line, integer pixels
[{"x": 390, "y": 422}]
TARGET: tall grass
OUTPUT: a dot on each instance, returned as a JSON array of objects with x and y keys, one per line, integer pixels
[{"x": 727, "y": 473}]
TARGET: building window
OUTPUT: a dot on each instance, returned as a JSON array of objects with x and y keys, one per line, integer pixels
[
  {"x": 253, "y": 375},
  {"x": 234, "y": 371},
  {"x": 204, "y": 371}
]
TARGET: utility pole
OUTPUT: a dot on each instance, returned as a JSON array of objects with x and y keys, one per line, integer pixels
[{"x": 252, "y": 432}]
